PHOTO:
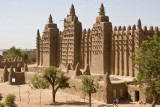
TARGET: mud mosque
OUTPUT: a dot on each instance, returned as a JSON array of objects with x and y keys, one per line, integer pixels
[
  {"x": 102, "y": 48},
  {"x": 103, "y": 52}
]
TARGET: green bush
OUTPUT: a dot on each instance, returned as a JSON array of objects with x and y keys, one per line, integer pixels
[
  {"x": 10, "y": 100},
  {"x": 38, "y": 82},
  {"x": 0, "y": 97},
  {"x": 2, "y": 104}
]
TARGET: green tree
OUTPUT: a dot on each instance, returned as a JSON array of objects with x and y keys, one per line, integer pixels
[
  {"x": 10, "y": 100},
  {"x": 56, "y": 78},
  {"x": 50, "y": 76},
  {"x": 147, "y": 61},
  {"x": 16, "y": 52},
  {"x": 89, "y": 86}
]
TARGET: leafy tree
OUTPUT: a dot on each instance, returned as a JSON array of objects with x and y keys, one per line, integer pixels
[
  {"x": 56, "y": 78},
  {"x": 10, "y": 100},
  {"x": 51, "y": 76},
  {"x": 1, "y": 97},
  {"x": 89, "y": 86},
  {"x": 15, "y": 52},
  {"x": 147, "y": 61}
]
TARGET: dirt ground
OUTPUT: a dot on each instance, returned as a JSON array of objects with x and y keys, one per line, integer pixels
[{"x": 63, "y": 99}]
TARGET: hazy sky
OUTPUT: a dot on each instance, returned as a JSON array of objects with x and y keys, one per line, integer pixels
[{"x": 20, "y": 19}]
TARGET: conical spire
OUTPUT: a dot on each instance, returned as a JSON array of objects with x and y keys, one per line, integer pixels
[
  {"x": 77, "y": 71},
  {"x": 38, "y": 34},
  {"x": 145, "y": 28},
  {"x": 107, "y": 80},
  {"x": 139, "y": 23},
  {"x": 102, "y": 11},
  {"x": 72, "y": 10},
  {"x": 50, "y": 19}
]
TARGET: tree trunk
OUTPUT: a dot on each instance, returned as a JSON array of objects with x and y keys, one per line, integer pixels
[
  {"x": 89, "y": 99},
  {"x": 154, "y": 101},
  {"x": 53, "y": 95}
]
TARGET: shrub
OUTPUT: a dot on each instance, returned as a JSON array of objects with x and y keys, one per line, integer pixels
[
  {"x": 38, "y": 82},
  {"x": 10, "y": 100}
]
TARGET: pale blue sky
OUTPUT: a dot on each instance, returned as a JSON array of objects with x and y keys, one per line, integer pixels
[{"x": 20, "y": 19}]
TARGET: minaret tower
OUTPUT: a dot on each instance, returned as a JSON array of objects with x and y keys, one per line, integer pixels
[
  {"x": 101, "y": 43},
  {"x": 50, "y": 44},
  {"x": 70, "y": 40}
]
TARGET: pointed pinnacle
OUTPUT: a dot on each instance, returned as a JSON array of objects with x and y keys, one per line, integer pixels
[
  {"x": 38, "y": 34},
  {"x": 50, "y": 19},
  {"x": 102, "y": 11},
  {"x": 139, "y": 23},
  {"x": 72, "y": 6},
  {"x": 72, "y": 10}
]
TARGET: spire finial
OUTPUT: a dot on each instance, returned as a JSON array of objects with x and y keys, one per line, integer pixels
[
  {"x": 102, "y": 11},
  {"x": 38, "y": 34},
  {"x": 50, "y": 19},
  {"x": 72, "y": 10},
  {"x": 139, "y": 23}
]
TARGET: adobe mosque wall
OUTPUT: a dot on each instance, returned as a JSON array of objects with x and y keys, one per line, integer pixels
[{"x": 103, "y": 49}]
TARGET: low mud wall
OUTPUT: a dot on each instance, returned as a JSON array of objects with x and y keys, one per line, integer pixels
[{"x": 76, "y": 89}]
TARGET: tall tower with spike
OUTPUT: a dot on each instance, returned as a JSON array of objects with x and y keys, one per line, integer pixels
[
  {"x": 49, "y": 44},
  {"x": 70, "y": 40},
  {"x": 101, "y": 43}
]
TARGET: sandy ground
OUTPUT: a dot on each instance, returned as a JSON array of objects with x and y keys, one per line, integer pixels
[{"x": 63, "y": 99}]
